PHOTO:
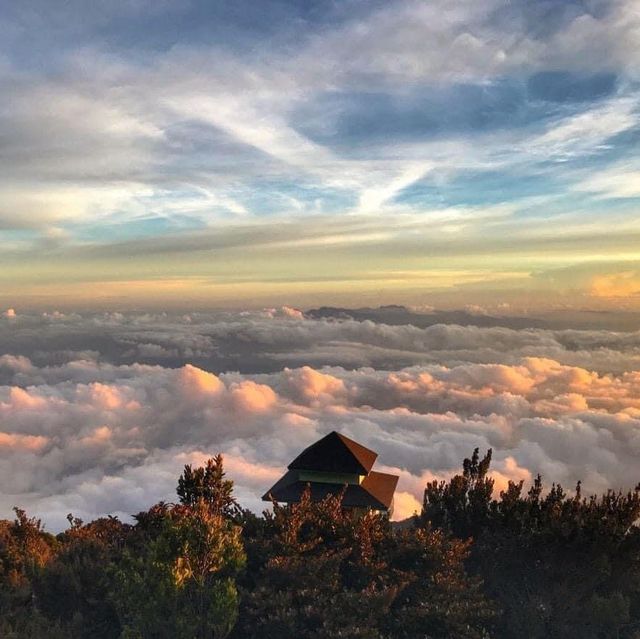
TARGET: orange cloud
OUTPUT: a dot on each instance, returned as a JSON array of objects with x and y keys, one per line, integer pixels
[
  {"x": 22, "y": 399},
  {"x": 13, "y": 441},
  {"x": 313, "y": 385},
  {"x": 405, "y": 505},
  {"x": 195, "y": 381},
  {"x": 105, "y": 396},
  {"x": 252, "y": 397},
  {"x": 612, "y": 285},
  {"x": 100, "y": 435},
  {"x": 507, "y": 471}
]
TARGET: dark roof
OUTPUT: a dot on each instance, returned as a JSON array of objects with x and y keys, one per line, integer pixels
[
  {"x": 375, "y": 491},
  {"x": 335, "y": 453}
]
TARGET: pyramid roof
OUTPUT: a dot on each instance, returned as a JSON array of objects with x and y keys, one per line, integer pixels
[{"x": 335, "y": 453}]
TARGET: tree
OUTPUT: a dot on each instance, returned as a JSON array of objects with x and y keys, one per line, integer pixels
[
  {"x": 24, "y": 548},
  {"x": 182, "y": 584},
  {"x": 323, "y": 574},
  {"x": 208, "y": 483},
  {"x": 438, "y": 599},
  {"x": 74, "y": 589},
  {"x": 462, "y": 505},
  {"x": 559, "y": 565},
  {"x": 330, "y": 572}
]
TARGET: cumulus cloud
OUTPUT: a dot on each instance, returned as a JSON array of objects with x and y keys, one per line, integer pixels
[
  {"x": 284, "y": 311},
  {"x": 94, "y": 436}
]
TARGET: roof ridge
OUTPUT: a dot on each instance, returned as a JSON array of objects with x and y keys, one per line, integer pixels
[
  {"x": 335, "y": 452},
  {"x": 360, "y": 452}
]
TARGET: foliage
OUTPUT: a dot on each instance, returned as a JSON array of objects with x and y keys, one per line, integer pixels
[
  {"x": 558, "y": 565},
  {"x": 208, "y": 483},
  {"x": 322, "y": 575},
  {"x": 74, "y": 589},
  {"x": 177, "y": 575},
  {"x": 330, "y": 572},
  {"x": 439, "y": 599},
  {"x": 525, "y": 563},
  {"x": 24, "y": 548},
  {"x": 183, "y": 585}
]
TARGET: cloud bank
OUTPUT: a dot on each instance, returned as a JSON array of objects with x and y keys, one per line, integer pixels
[{"x": 107, "y": 430}]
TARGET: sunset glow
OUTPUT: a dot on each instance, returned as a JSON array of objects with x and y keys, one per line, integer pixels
[{"x": 194, "y": 153}]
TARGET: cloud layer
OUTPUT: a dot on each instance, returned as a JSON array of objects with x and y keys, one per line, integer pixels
[{"x": 82, "y": 432}]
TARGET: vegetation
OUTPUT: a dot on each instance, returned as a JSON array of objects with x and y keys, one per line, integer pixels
[{"x": 470, "y": 566}]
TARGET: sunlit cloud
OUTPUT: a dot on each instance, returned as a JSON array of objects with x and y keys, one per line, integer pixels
[
  {"x": 615, "y": 285},
  {"x": 107, "y": 431}
]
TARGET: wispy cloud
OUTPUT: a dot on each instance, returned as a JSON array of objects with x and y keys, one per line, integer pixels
[{"x": 136, "y": 125}]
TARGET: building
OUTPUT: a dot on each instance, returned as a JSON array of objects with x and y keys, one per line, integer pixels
[{"x": 333, "y": 462}]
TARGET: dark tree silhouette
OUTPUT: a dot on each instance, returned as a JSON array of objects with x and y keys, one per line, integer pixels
[
  {"x": 529, "y": 563},
  {"x": 558, "y": 565}
]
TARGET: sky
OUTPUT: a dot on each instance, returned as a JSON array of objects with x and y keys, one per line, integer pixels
[
  {"x": 184, "y": 154},
  {"x": 237, "y": 226}
]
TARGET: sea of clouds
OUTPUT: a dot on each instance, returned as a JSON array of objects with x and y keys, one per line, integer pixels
[{"x": 99, "y": 412}]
